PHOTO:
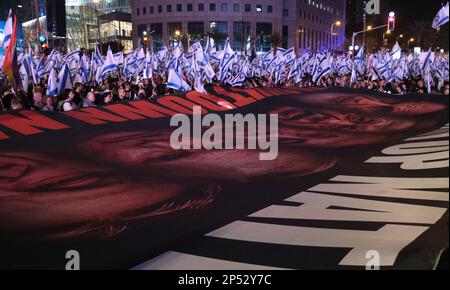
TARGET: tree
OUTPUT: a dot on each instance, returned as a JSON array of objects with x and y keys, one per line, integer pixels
[
  {"x": 275, "y": 40},
  {"x": 423, "y": 32}
]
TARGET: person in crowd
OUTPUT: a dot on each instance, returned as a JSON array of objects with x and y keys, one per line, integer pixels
[
  {"x": 48, "y": 104},
  {"x": 122, "y": 95},
  {"x": 79, "y": 97},
  {"x": 107, "y": 98},
  {"x": 89, "y": 101},
  {"x": 38, "y": 103},
  {"x": 68, "y": 104},
  {"x": 16, "y": 104}
]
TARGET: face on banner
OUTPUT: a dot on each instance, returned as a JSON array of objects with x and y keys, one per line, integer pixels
[
  {"x": 66, "y": 198},
  {"x": 345, "y": 120},
  {"x": 370, "y": 104},
  {"x": 151, "y": 151}
]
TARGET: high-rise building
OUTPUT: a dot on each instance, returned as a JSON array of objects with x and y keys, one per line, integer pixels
[
  {"x": 289, "y": 23},
  {"x": 93, "y": 21}
]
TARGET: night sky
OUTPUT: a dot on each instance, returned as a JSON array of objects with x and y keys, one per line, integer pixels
[{"x": 416, "y": 10}]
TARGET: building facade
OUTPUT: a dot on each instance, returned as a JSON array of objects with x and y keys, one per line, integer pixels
[
  {"x": 289, "y": 23},
  {"x": 91, "y": 21}
]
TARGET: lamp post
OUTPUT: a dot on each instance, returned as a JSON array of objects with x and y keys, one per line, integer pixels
[
  {"x": 410, "y": 40},
  {"x": 145, "y": 39},
  {"x": 300, "y": 35},
  {"x": 152, "y": 40},
  {"x": 337, "y": 23},
  {"x": 97, "y": 15},
  {"x": 177, "y": 35},
  {"x": 385, "y": 40}
]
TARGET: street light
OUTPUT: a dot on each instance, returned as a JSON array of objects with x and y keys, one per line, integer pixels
[
  {"x": 177, "y": 35},
  {"x": 385, "y": 39},
  {"x": 337, "y": 23},
  {"x": 410, "y": 40},
  {"x": 369, "y": 27}
]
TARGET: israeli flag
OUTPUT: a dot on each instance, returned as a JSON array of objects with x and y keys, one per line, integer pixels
[
  {"x": 148, "y": 70},
  {"x": 64, "y": 80},
  {"x": 176, "y": 82},
  {"x": 52, "y": 85},
  {"x": 7, "y": 31},
  {"x": 360, "y": 62},
  {"x": 109, "y": 66},
  {"x": 198, "y": 82},
  {"x": 323, "y": 69},
  {"x": 97, "y": 56},
  {"x": 353, "y": 77},
  {"x": 24, "y": 76},
  {"x": 289, "y": 56},
  {"x": 425, "y": 59},
  {"x": 396, "y": 52},
  {"x": 441, "y": 18},
  {"x": 227, "y": 61}
]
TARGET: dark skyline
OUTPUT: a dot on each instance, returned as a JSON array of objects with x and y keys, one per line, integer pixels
[
  {"x": 407, "y": 11},
  {"x": 416, "y": 10}
]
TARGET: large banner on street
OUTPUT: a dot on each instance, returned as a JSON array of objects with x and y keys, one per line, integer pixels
[{"x": 359, "y": 178}]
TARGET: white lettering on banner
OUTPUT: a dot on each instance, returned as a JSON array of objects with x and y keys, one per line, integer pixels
[
  {"x": 408, "y": 188},
  {"x": 437, "y": 152},
  {"x": 417, "y": 148},
  {"x": 182, "y": 261},
  {"x": 416, "y": 162},
  {"x": 317, "y": 207},
  {"x": 388, "y": 241}
]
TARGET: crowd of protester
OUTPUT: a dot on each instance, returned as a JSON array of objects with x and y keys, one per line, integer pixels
[{"x": 114, "y": 90}]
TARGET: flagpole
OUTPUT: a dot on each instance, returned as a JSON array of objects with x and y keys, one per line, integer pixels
[{"x": 38, "y": 25}]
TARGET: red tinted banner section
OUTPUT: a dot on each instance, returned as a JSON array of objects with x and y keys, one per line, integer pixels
[{"x": 360, "y": 180}]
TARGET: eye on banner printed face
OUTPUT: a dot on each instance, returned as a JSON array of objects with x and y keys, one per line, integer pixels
[{"x": 357, "y": 175}]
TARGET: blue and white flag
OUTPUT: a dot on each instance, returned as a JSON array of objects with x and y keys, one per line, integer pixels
[
  {"x": 401, "y": 72},
  {"x": 7, "y": 31},
  {"x": 425, "y": 59},
  {"x": 322, "y": 69},
  {"x": 64, "y": 80},
  {"x": 226, "y": 62},
  {"x": 82, "y": 75},
  {"x": 175, "y": 81},
  {"x": 353, "y": 77},
  {"x": 162, "y": 54},
  {"x": 441, "y": 18},
  {"x": 396, "y": 51},
  {"x": 148, "y": 70},
  {"x": 73, "y": 61},
  {"x": 289, "y": 56},
  {"x": 24, "y": 76},
  {"x": 360, "y": 62},
  {"x": 109, "y": 66},
  {"x": 198, "y": 81},
  {"x": 52, "y": 85},
  {"x": 97, "y": 56}
]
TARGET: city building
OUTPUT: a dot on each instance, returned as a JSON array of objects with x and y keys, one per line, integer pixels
[
  {"x": 289, "y": 23},
  {"x": 93, "y": 21}
]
